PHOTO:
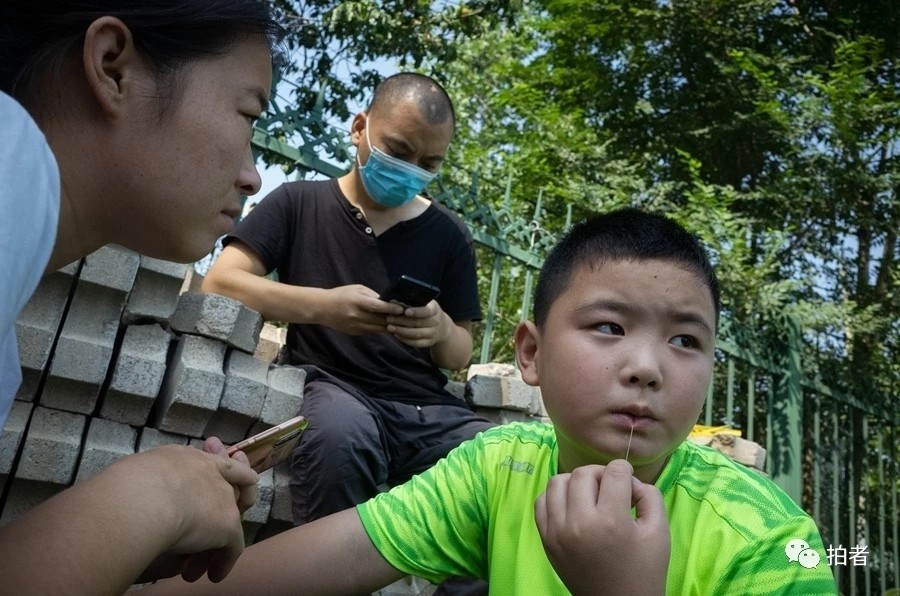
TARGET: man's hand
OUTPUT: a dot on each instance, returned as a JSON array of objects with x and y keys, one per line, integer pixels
[
  {"x": 584, "y": 519},
  {"x": 357, "y": 310},
  {"x": 421, "y": 327}
]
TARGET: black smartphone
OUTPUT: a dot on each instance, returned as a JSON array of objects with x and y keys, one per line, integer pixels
[
  {"x": 272, "y": 445},
  {"x": 409, "y": 291}
]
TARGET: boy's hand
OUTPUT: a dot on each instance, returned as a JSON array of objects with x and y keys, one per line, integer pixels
[
  {"x": 421, "y": 326},
  {"x": 357, "y": 310},
  {"x": 584, "y": 519}
]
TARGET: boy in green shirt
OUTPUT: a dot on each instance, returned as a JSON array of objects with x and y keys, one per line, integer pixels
[{"x": 622, "y": 349}]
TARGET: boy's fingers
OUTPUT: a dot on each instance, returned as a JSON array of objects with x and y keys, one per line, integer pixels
[
  {"x": 556, "y": 498},
  {"x": 648, "y": 504},
  {"x": 616, "y": 487},
  {"x": 584, "y": 488},
  {"x": 540, "y": 513}
]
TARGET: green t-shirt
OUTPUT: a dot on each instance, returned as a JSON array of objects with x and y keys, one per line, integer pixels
[{"x": 472, "y": 515}]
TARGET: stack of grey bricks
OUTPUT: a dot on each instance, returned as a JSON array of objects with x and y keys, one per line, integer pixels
[
  {"x": 499, "y": 394},
  {"x": 116, "y": 359}
]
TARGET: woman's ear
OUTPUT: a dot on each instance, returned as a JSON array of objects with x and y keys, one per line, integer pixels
[
  {"x": 111, "y": 63},
  {"x": 528, "y": 339}
]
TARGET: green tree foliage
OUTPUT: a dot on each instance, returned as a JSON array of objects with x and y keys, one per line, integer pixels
[
  {"x": 778, "y": 122},
  {"x": 333, "y": 45}
]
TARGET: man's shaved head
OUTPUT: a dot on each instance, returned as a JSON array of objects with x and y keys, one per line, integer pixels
[{"x": 426, "y": 93}]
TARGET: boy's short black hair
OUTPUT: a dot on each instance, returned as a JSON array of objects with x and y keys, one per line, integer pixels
[{"x": 622, "y": 235}]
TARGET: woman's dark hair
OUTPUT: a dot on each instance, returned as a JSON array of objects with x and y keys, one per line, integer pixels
[{"x": 37, "y": 36}]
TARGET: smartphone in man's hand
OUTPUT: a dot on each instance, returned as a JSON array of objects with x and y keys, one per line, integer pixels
[
  {"x": 271, "y": 446},
  {"x": 409, "y": 291}
]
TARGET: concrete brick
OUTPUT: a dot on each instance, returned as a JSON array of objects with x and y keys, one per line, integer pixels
[
  {"x": 167, "y": 268},
  {"x": 265, "y": 496},
  {"x": 84, "y": 349},
  {"x": 51, "y": 446},
  {"x": 111, "y": 267},
  {"x": 283, "y": 397},
  {"x": 106, "y": 442},
  {"x": 456, "y": 389},
  {"x": 192, "y": 281},
  {"x": 28, "y": 388},
  {"x": 151, "y": 438},
  {"x": 493, "y": 369},
  {"x": 13, "y": 431},
  {"x": 242, "y": 398},
  {"x": 218, "y": 317},
  {"x": 740, "y": 450},
  {"x": 503, "y": 416},
  {"x": 281, "y": 501},
  {"x": 510, "y": 393},
  {"x": 155, "y": 293},
  {"x": 515, "y": 394},
  {"x": 36, "y": 328},
  {"x": 271, "y": 344},
  {"x": 138, "y": 375},
  {"x": 485, "y": 391},
  {"x": 71, "y": 268},
  {"x": 192, "y": 387}
]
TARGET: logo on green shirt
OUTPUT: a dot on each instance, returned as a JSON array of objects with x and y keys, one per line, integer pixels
[{"x": 517, "y": 466}]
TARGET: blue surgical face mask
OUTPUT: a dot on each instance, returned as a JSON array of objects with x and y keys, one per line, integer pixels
[{"x": 391, "y": 182}]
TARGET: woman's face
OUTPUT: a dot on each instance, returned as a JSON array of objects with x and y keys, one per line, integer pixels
[{"x": 179, "y": 177}]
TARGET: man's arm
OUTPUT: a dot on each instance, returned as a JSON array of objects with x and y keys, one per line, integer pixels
[
  {"x": 332, "y": 555},
  {"x": 239, "y": 273},
  {"x": 98, "y": 536}
]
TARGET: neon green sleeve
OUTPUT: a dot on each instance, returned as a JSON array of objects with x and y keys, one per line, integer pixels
[
  {"x": 765, "y": 568},
  {"x": 435, "y": 525}
]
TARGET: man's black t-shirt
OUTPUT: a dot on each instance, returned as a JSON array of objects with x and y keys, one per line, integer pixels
[{"x": 313, "y": 236}]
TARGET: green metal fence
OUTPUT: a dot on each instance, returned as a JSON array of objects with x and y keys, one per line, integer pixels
[{"x": 831, "y": 452}]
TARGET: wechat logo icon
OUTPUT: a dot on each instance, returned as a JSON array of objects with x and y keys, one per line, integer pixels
[{"x": 798, "y": 551}]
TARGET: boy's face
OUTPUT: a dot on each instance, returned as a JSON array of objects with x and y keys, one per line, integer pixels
[{"x": 629, "y": 343}]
